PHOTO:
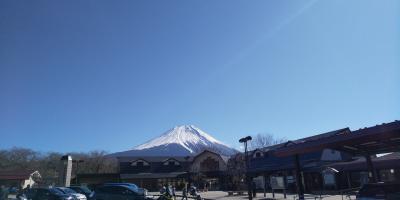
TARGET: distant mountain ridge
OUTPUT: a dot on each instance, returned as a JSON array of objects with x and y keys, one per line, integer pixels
[{"x": 186, "y": 140}]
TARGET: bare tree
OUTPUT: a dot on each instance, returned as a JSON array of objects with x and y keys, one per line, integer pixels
[
  {"x": 18, "y": 159},
  {"x": 22, "y": 159},
  {"x": 265, "y": 140},
  {"x": 96, "y": 162},
  {"x": 236, "y": 171}
]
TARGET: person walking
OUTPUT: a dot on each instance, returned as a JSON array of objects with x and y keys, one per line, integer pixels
[
  {"x": 184, "y": 193},
  {"x": 3, "y": 193},
  {"x": 163, "y": 190},
  {"x": 173, "y": 192},
  {"x": 254, "y": 187}
]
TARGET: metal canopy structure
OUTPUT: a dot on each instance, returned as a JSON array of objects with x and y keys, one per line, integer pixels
[
  {"x": 365, "y": 142},
  {"x": 382, "y": 138}
]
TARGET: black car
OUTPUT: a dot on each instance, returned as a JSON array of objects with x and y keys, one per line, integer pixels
[
  {"x": 83, "y": 190},
  {"x": 379, "y": 191},
  {"x": 117, "y": 192},
  {"x": 46, "y": 194},
  {"x": 131, "y": 185}
]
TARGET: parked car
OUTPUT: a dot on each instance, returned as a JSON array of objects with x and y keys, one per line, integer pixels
[
  {"x": 83, "y": 190},
  {"x": 379, "y": 191},
  {"x": 117, "y": 192},
  {"x": 65, "y": 190},
  {"x": 47, "y": 194},
  {"x": 133, "y": 186}
]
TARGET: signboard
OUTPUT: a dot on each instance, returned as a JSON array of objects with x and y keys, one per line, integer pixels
[
  {"x": 290, "y": 179},
  {"x": 277, "y": 182},
  {"x": 259, "y": 182},
  {"x": 329, "y": 179}
]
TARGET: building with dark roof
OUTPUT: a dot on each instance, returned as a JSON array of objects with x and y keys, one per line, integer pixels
[
  {"x": 264, "y": 165},
  {"x": 205, "y": 170},
  {"x": 366, "y": 143},
  {"x": 339, "y": 159}
]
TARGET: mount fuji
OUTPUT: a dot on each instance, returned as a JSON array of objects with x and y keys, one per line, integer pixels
[{"x": 186, "y": 140}]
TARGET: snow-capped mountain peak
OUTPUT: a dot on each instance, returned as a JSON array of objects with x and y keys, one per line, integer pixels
[
  {"x": 187, "y": 136},
  {"x": 186, "y": 140}
]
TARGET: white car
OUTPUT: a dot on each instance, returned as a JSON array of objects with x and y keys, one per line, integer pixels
[{"x": 69, "y": 191}]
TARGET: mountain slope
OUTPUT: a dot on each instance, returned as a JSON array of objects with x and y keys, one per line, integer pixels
[{"x": 185, "y": 140}]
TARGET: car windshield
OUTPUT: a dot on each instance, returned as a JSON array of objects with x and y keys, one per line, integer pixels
[{"x": 83, "y": 189}]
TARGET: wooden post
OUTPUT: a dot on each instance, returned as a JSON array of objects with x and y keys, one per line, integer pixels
[
  {"x": 348, "y": 174},
  {"x": 265, "y": 185},
  {"x": 299, "y": 178},
  {"x": 371, "y": 169},
  {"x": 378, "y": 175},
  {"x": 284, "y": 185}
]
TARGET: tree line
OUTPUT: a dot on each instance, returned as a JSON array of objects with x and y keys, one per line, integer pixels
[{"x": 24, "y": 159}]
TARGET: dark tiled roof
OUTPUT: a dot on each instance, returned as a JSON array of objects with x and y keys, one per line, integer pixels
[
  {"x": 156, "y": 158},
  {"x": 323, "y": 135},
  {"x": 302, "y": 140},
  {"x": 153, "y": 175},
  {"x": 373, "y": 140}
]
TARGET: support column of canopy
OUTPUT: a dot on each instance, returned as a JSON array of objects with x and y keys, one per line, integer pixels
[
  {"x": 299, "y": 178},
  {"x": 371, "y": 169},
  {"x": 265, "y": 184}
]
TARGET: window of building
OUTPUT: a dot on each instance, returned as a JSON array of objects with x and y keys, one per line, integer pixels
[
  {"x": 139, "y": 163},
  {"x": 258, "y": 154},
  {"x": 171, "y": 162}
]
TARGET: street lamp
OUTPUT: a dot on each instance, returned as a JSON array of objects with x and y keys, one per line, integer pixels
[
  {"x": 244, "y": 141},
  {"x": 77, "y": 168}
]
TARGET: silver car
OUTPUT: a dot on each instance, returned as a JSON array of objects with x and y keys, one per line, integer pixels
[{"x": 77, "y": 196}]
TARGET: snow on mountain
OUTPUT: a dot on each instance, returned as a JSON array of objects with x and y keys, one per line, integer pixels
[{"x": 184, "y": 140}]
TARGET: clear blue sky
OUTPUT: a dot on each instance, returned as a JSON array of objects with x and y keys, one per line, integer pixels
[{"x": 97, "y": 74}]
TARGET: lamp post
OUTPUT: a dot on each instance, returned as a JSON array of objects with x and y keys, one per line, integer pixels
[
  {"x": 244, "y": 141},
  {"x": 77, "y": 168}
]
